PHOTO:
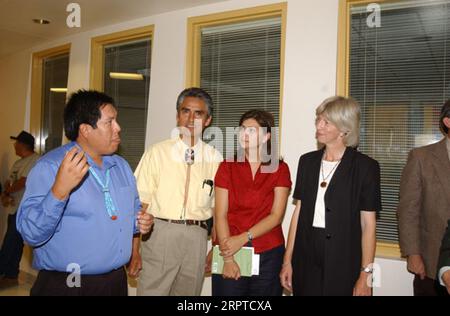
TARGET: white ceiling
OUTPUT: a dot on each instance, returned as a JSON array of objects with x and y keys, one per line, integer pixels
[{"x": 18, "y": 32}]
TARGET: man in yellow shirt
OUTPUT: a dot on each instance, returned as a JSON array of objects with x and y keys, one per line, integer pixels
[{"x": 175, "y": 180}]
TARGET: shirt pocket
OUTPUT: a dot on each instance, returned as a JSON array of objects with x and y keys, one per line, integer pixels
[
  {"x": 125, "y": 201},
  {"x": 205, "y": 194}
]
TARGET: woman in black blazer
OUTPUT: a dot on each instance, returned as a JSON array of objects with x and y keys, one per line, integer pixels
[{"x": 331, "y": 242}]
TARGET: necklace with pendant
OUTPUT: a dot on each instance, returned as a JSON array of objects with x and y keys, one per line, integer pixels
[{"x": 324, "y": 182}]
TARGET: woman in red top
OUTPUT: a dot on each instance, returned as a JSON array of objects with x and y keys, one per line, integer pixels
[{"x": 251, "y": 196}]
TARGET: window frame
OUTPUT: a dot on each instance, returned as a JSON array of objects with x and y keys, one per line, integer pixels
[
  {"x": 36, "y": 106},
  {"x": 195, "y": 25},
  {"x": 97, "y": 53},
  {"x": 384, "y": 249}
]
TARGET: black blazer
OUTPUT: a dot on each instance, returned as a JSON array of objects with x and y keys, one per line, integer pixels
[{"x": 355, "y": 187}]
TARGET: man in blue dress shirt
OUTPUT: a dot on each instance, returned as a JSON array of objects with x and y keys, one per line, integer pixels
[{"x": 81, "y": 207}]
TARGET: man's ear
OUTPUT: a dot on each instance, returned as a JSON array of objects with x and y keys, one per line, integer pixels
[
  {"x": 84, "y": 130},
  {"x": 208, "y": 121}
]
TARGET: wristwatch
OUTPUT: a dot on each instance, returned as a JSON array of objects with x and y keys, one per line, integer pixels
[
  {"x": 249, "y": 236},
  {"x": 367, "y": 269}
]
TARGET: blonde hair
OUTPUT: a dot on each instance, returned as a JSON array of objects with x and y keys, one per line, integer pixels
[{"x": 344, "y": 113}]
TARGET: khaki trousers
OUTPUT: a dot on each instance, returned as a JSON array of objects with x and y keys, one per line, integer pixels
[{"x": 173, "y": 260}]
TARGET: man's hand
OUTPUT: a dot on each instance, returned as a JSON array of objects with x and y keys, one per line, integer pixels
[
  {"x": 72, "y": 170},
  {"x": 5, "y": 200},
  {"x": 416, "y": 266},
  {"x": 145, "y": 222},
  {"x": 446, "y": 280},
  {"x": 135, "y": 265},
  {"x": 7, "y": 187}
]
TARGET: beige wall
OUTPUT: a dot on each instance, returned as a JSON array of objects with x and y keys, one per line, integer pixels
[
  {"x": 14, "y": 95},
  {"x": 14, "y": 79},
  {"x": 310, "y": 76}
]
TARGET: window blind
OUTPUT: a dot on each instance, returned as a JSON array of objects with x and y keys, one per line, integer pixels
[
  {"x": 131, "y": 96},
  {"x": 240, "y": 68},
  {"x": 400, "y": 74},
  {"x": 55, "y": 75}
]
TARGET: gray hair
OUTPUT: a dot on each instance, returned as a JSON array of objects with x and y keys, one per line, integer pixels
[
  {"x": 196, "y": 93},
  {"x": 344, "y": 113}
]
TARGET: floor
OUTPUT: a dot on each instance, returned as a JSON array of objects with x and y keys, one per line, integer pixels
[{"x": 26, "y": 280}]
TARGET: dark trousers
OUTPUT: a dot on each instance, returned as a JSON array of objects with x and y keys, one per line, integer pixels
[
  {"x": 428, "y": 287},
  {"x": 12, "y": 249},
  {"x": 267, "y": 283},
  {"x": 312, "y": 283},
  {"x": 53, "y": 283}
]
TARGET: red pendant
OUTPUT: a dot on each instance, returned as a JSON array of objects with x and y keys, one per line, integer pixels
[
  {"x": 114, "y": 217},
  {"x": 323, "y": 184}
]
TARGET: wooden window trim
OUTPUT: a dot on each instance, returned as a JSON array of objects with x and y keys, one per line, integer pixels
[
  {"x": 36, "y": 89},
  {"x": 97, "y": 55},
  {"x": 195, "y": 24}
]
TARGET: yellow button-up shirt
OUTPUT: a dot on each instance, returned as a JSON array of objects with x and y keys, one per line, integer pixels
[{"x": 161, "y": 180}]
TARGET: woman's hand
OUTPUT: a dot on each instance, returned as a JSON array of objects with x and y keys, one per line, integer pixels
[
  {"x": 286, "y": 276},
  {"x": 363, "y": 286},
  {"x": 231, "y": 269},
  {"x": 230, "y": 245}
]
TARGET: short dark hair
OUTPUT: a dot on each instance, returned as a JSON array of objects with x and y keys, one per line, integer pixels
[
  {"x": 445, "y": 112},
  {"x": 196, "y": 93},
  {"x": 264, "y": 118},
  {"x": 84, "y": 107}
]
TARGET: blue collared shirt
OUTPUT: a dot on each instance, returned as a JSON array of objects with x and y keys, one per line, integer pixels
[{"x": 79, "y": 230}]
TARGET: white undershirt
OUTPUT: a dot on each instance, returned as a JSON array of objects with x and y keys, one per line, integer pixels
[{"x": 319, "y": 212}]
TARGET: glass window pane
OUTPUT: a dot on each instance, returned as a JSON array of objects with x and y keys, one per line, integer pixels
[
  {"x": 240, "y": 68},
  {"x": 127, "y": 80},
  {"x": 55, "y": 74},
  {"x": 400, "y": 73}
]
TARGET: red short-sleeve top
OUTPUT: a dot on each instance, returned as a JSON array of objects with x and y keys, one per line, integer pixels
[{"x": 250, "y": 200}]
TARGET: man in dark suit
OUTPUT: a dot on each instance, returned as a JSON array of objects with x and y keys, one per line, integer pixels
[
  {"x": 424, "y": 208},
  {"x": 444, "y": 261}
]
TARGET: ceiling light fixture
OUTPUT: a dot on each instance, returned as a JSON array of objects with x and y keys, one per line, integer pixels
[
  {"x": 41, "y": 21},
  {"x": 126, "y": 76},
  {"x": 59, "y": 90}
]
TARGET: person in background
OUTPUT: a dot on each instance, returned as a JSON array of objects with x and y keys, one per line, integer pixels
[
  {"x": 424, "y": 208},
  {"x": 444, "y": 260},
  {"x": 12, "y": 246}
]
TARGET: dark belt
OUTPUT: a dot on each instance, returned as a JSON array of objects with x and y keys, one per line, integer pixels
[{"x": 188, "y": 222}]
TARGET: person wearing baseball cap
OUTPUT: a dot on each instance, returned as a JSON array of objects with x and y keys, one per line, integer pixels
[
  {"x": 25, "y": 139},
  {"x": 11, "y": 251}
]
